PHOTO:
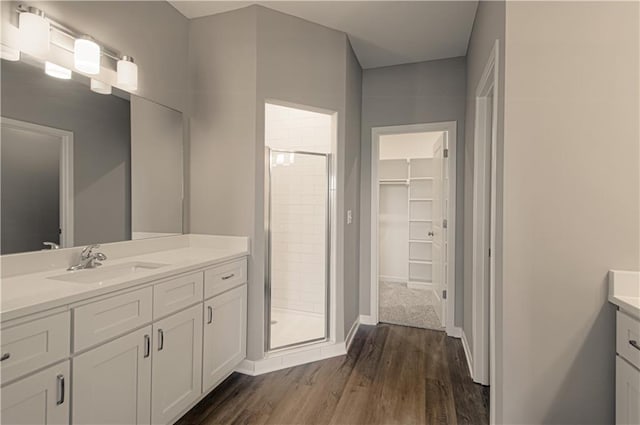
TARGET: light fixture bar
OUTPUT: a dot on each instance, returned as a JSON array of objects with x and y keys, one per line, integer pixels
[{"x": 69, "y": 32}]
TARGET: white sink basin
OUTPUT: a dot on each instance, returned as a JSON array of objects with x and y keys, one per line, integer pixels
[{"x": 103, "y": 273}]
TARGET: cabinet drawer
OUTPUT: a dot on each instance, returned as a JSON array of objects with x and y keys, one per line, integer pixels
[
  {"x": 35, "y": 344},
  {"x": 176, "y": 294},
  {"x": 101, "y": 320},
  {"x": 628, "y": 338},
  {"x": 224, "y": 277}
]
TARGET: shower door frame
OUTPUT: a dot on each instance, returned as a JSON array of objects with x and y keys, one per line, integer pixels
[{"x": 267, "y": 223}]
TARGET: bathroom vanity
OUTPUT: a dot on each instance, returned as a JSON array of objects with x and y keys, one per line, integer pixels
[
  {"x": 624, "y": 292},
  {"x": 138, "y": 340}
]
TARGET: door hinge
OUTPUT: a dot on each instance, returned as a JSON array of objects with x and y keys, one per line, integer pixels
[
  {"x": 444, "y": 294},
  {"x": 445, "y": 153},
  {"x": 489, "y": 252},
  {"x": 444, "y": 223}
]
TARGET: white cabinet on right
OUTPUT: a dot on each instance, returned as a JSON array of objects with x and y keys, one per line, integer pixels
[
  {"x": 627, "y": 393},
  {"x": 225, "y": 331}
]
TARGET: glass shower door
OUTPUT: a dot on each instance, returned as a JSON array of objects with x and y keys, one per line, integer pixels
[{"x": 298, "y": 248}]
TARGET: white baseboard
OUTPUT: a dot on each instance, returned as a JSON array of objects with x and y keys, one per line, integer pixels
[
  {"x": 297, "y": 356},
  {"x": 393, "y": 279},
  {"x": 467, "y": 353},
  {"x": 367, "y": 320},
  {"x": 454, "y": 332}
]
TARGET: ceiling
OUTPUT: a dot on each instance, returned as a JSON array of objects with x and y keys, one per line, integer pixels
[{"x": 382, "y": 33}]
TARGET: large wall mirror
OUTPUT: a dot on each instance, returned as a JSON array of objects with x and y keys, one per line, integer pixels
[{"x": 79, "y": 167}]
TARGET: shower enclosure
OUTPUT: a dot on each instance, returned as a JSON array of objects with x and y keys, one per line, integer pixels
[{"x": 298, "y": 243}]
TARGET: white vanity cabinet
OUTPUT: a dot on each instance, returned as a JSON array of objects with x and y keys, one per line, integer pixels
[
  {"x": 112, "y": 383},
  {"x": 42, "y": 398},
  {"x": 177, "y": 364},
  {"x": 225, "y": 335},
  {"x": 627, "y": 369},
  {"x": 144, "y": 355}
]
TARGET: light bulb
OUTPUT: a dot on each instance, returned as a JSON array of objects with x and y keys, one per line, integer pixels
[
  {"x": 35, "y": 33},
  {"x": 127, "y": 73},
  {"x": 86, "y": 56},
  {"x": 100, "y": 87},
  {"x": 57, "y": 71}
]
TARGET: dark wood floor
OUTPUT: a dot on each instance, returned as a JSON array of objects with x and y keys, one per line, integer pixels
[{"x": 391, "y": 375}]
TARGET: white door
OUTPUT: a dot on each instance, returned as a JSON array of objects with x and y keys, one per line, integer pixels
[
  {"x": 112, "y": 383},
  {"x": 42, "y": 398},
  {"x": 439, "y": 229},
  {"x": 177, "y": 364},
  {"x": 627, "y": 393},
  {"x": 225, "y": 318}
]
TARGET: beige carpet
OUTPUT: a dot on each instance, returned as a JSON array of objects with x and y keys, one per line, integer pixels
[{"x": 400, "y": 305}]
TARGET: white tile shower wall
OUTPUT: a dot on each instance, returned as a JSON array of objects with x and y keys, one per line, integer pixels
[
  {"x": 298, "y": 231},
  {"x": 297, "y": 129}
]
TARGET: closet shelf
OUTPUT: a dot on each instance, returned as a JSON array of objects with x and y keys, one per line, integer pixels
[
  {"x": 420, "y": 199},
  {"x": 420, "y": 262},
  {"x": 419, "y": 241},
  {"x": 393, "y": 181},
  {"x": 418, "y": 220},
  {"x": 420, "y": 178}
]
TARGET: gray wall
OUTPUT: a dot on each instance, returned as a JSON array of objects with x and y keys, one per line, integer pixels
[
  {"x": 571, "y": 203},
  {"x": 156, "y": 167},
  {"x": 30, "y": 190},
  {"x": 238, "y": 60},
  {"x": 101, "y": 145},
  {"x": 488, "y": 27},
  {"x": 152, "y": 32},
  {"x": 223, "y": 145},
  {"x": 411, "y": 94}
]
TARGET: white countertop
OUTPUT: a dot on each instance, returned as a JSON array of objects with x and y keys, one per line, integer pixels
[
  {"x": 624, "y": 290},
  {"x": 29, "y": 293}
]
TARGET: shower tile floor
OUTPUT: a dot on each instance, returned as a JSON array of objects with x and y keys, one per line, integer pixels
[
  {"x": 291, "y": 326},
  {"x": 400, "y": 305}
]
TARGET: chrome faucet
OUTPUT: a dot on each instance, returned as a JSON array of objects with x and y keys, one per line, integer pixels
[{"x": 89, "y": 259}]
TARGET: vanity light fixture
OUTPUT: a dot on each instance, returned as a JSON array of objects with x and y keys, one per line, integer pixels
[
  {"x": 35, "y": 31},
  {"x": 100, "y": 87},
  {"x": 9, "y": 53},
  {"x": 127, "y": 73},
  {"x": 86, "y": 55},
  {"x": 57, "y": 71}
]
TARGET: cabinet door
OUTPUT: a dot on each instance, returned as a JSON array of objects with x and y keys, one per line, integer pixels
[
  {"x": 225, "y": 333},
  {"x": 42, "y": 398},
  {"x": 177, "y": 364},
  {"x": 627, "y": 393},
  {"x": 112, "y": 382}
]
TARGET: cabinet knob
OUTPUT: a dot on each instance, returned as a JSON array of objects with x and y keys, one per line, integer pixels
[
  {"x": 634, "y": 344},
  {"x": 5, "y": 356}
]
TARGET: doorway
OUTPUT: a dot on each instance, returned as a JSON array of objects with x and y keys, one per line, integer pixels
[
  {"x": 298, "y": 225},
  {"x": 37, "y": 187},
  {"x": 484, "y": 225},
  {"x": 413, "y": 225}
]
